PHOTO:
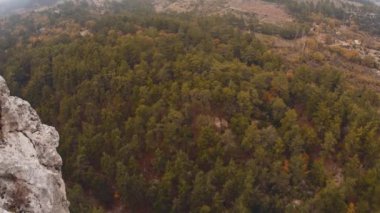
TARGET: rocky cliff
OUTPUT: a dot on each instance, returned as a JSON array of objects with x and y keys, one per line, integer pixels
[{"x": 30, "y": 167}]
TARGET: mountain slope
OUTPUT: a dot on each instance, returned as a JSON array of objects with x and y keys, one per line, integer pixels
[
  {"x": 263, "y": 10},
  {"x": 204, "y": 111},
  {"x": 190, "y": 113}
]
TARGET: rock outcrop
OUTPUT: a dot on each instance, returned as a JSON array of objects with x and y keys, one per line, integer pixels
[{"x": 30, "y": 167}]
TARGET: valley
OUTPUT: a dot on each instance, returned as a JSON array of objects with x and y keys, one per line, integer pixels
[{"x": 205, "y": 106}]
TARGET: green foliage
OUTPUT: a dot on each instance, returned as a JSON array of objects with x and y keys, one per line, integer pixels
[
  {"x": 303, "y": 9},
  {"x": 290, "y": 31},
  {"x": 165, "y": 113}
]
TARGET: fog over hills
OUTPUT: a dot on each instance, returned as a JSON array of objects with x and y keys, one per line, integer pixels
[
  {"x": 17, "y": 6},
  {"x": 10, "y": 6}
]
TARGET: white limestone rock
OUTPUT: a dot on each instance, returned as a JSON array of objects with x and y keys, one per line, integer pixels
[{"x": 30, "y": 167}]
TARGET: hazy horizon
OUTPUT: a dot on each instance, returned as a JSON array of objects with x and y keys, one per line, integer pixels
[{"x": 13, "y": 1}]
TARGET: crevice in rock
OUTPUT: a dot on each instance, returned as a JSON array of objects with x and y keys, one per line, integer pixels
[{"x": 1, "y": 124}]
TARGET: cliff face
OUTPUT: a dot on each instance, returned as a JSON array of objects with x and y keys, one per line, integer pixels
[{"x": 30, "y": 167}]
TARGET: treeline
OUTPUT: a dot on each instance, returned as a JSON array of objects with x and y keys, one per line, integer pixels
[
  {"x": 303, "y": 9},
  {"x": 182, "y": 114},
  {"x": 367, "y": 16}
]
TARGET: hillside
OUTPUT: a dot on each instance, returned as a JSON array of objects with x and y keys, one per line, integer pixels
[
  {"x": 264, "y": 11},
  {"x": 209, "y": 106}
]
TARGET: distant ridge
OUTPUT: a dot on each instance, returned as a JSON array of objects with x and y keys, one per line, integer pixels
[{"x": 14, "y": 7}]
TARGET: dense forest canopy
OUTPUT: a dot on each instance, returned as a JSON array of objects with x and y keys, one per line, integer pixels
[{"x": 179, "y": 113}]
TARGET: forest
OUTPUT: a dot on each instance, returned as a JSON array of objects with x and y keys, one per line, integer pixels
[
  {"x": 181, "y": 113},
  {"x": 367, "y": 16}
]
